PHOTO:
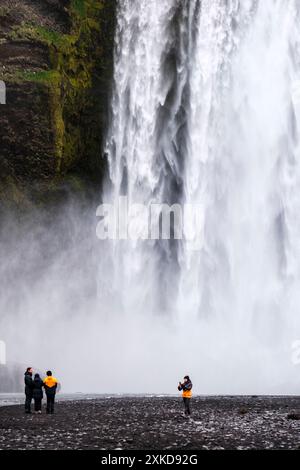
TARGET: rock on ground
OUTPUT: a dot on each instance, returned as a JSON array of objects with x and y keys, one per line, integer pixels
[{"x": 155, "y": 423}]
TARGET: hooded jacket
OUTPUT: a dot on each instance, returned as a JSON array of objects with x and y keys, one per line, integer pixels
[
  {"x": 37, "y": 387},
  {"x": 50, "y": 384}
]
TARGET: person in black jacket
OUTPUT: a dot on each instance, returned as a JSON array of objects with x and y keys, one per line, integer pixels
[
  {"x": 37, "y": 393},
  {"x": 28, "y": 389}
]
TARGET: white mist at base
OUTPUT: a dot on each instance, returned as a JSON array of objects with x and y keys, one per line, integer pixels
[
  {"x": 204, "y": 111},
  {"x": 53, "y": 318}
]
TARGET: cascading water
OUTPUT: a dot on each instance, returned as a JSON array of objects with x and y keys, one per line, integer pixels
[{"x": 205, "y": 112}]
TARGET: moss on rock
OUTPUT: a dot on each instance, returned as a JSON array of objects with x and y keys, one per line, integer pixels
[{"x": 66, "y": 71}]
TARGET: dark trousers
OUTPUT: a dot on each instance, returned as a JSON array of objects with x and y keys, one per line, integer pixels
[
  {"x": 187, "y": 408},
  {"x": 28, "y": 401},
  {"x": 37, "y": 404},
  {"x": 50, "y": 403}
]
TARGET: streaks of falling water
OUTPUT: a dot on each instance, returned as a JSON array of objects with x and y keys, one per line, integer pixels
[
  {"x": 146, "y": 140},
  {"x": 243, "y": 144},
  {"x": 204, "y": 111}
]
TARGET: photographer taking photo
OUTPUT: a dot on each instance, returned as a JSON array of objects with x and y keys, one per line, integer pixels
[{"x": 186, "y": 388}]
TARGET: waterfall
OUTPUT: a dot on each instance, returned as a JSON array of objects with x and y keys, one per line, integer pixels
[
  {"x": 205, "y": 111},
  {"x": 204, "y": 119}
]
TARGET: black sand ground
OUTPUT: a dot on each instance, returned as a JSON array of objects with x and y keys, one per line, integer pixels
[{"x": 156, "y": 423}]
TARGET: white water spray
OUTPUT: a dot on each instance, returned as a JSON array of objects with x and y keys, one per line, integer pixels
[{"x": 205, "y": 112}]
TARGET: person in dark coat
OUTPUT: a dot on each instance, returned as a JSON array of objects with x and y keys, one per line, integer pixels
[
  {"x": 38, "y": 393},
  {"x": 28, "y": 389}
]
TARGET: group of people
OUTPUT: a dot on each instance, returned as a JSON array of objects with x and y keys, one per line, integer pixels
[
  {"x": 34, "y": 391},
  {"x": 34, "y": 387}
]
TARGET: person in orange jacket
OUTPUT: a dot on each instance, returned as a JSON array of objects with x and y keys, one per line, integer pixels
[
  {"x": 186, "y": 388},
  {"x": 50, "y": 385}
]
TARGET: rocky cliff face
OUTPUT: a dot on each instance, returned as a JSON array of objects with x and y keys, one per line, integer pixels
[{"x": 56, "y": 61}]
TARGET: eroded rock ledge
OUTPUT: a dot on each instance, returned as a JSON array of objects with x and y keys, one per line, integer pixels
[{"x": 56, "y": 61}]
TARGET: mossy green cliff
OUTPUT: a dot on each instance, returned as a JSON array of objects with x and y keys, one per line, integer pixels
[{"x": 56, "y": 61}]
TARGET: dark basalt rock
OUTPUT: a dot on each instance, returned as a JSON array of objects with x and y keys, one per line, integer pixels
[
  {"x": 294, "y": 416},
  {"x": 154, "y": 423},
  {"x": 56, "y": 59}
]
